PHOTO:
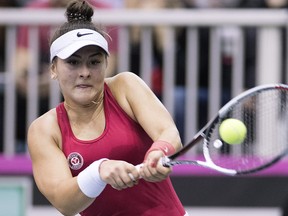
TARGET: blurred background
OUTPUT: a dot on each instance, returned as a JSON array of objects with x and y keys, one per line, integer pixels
[{"x": 194, "y": 54}]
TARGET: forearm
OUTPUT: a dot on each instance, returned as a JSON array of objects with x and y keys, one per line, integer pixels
[
  {"x": 170, "y": 135},
  {"x": 69, "y": 199},
  {"x": 73, "y": 195},
  {"x": 65, "y": 195}
]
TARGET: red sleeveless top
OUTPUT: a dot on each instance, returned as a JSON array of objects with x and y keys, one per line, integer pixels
[{"x": 122, "y": 139}]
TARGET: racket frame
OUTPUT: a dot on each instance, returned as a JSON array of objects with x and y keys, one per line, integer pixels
[{"x": 171, "y": 160}]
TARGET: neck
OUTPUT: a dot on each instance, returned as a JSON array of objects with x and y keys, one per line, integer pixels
[
  {"x": 93, "y": 104},
  {"x": 91, "y": 112}
]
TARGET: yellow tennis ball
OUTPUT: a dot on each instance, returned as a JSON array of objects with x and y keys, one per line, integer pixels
[{"x": 232, "y": 131}]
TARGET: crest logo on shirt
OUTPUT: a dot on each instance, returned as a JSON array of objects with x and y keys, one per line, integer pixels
[{"x": 75, "y": 160}]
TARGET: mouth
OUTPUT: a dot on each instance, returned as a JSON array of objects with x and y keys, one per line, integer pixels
[{"x": 83, "y": 86}]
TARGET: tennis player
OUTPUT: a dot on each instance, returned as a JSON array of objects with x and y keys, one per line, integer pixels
[{"x": 85, "y": 150}]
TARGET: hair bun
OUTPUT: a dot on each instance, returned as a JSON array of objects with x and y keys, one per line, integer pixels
[{"x": 79, "y": 11}]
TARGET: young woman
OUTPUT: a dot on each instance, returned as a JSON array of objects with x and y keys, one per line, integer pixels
[{"x": 85, "y": 150}]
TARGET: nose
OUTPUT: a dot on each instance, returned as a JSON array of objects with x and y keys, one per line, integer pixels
[{"x": 85, "y": 73}]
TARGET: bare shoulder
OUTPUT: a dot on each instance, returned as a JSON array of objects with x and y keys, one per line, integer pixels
[
  {"x": 125, "y": 81},
  {"x": 46, "y": 119},
  {"x": 44, "y": 127},
  {"x": 123, "y": 77}
]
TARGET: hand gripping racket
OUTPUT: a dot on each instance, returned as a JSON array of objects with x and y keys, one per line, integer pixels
[{"x": 264, "y": 111}]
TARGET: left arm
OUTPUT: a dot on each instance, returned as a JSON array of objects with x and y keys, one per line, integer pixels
[{"x": 141, "y": 104}]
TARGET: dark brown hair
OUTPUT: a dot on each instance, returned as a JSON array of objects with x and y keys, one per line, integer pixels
[{"x": 79, "y": 15}]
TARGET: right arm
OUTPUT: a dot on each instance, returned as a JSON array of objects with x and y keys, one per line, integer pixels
[
  {"x": 53, "y": 176},
  {"x": 50, "y": 168}
]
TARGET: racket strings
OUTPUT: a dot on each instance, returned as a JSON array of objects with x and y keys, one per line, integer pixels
[{"x": 265, "y": 115}]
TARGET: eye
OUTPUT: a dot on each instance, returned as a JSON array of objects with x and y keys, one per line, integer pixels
[
  {"x": 95, "y": 61},
  {"x": 72, "y": 61}
]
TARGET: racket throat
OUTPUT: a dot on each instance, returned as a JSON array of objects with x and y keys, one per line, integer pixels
[
  {"x": 212, "y": 166},
  {"x": 167, "y": 162}
]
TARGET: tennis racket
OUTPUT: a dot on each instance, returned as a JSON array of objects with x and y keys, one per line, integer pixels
[{"x": 264, "y": 111}]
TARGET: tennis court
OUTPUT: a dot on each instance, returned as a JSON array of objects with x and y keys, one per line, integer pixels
[{"x": 46, "y": 211}]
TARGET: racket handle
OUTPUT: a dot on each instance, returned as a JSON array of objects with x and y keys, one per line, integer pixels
[
  {"x": 138, "y": 167},
  {"x": 164, "y": 161}
]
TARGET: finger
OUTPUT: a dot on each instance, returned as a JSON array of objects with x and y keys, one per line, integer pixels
[
  {"x": 154, "y": 173},
  {"x": 135, "y": 175},
  {"x": 127, "y": 179},
  {"x": 131, "y": 177},
  {"x": 132, "y": 180},
  {"x": 149, "y": 174},
  {"x": 119, "y": 183}
]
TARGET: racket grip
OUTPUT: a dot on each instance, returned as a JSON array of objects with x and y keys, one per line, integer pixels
[
  {"x": 165, "y": 161},
  {"x": 138, "y": 167}
]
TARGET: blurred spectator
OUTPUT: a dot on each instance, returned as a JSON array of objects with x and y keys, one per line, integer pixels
[
  {"x": 276, "y": 3},
  {"x": 3, "y": 3},
  {"x": 281, "y": 4},
  {"x": 250, "y": 34},
  {"x": 157, "y": 43},
  {"x": 250, "y": 45},
  {"x": 251, "y": 4},
  {"x": 228, "y": 37},
  {"x": 23, "y": 61},
  {"x": 158, "y": 34},
  {"x": 22, "y": 3}
]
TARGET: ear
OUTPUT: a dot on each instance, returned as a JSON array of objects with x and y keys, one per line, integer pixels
[{"x": 53, "y": 73}]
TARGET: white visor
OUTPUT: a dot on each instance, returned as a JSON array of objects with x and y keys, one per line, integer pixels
[{"x": 70, "y": 42}]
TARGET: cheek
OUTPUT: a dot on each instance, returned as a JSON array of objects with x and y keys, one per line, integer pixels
[
  {"x": 100, "y": 70},
  {"x": 66, "y": 78}
]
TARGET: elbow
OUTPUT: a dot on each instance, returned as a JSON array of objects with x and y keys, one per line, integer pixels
[
  {"x": 71, "y": 209},
  {"x": 65, "y": 208},
  {"x": 65, "y": 212}
]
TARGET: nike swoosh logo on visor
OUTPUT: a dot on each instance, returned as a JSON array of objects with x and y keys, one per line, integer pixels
[{"x": 80, "y": 35}]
